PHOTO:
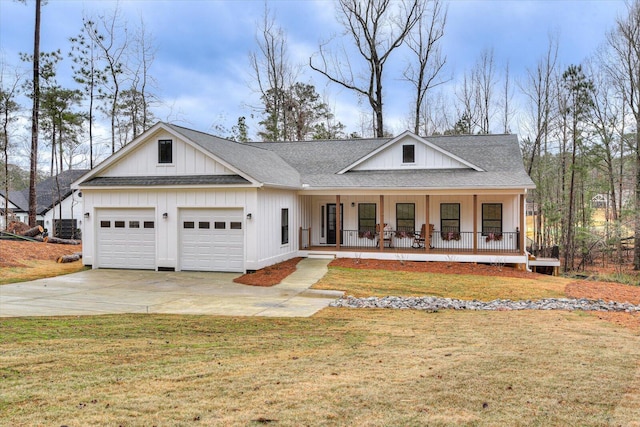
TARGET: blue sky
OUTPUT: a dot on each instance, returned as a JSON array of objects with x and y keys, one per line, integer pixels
[{"x": 202, "y": 68}]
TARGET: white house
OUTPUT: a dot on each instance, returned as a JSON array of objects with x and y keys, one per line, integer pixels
[
  {"x": 7, "y": 207},
  {"x": 58, "y": 207},
  {"x": 178, "y": 199}
]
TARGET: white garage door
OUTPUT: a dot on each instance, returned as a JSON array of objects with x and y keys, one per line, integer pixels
[
  {"x": 126, "y": 238},
  {"x": 212, "y": 240}
]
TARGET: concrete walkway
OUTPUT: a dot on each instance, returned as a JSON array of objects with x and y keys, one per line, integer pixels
[{"x": 100, "y": 291}]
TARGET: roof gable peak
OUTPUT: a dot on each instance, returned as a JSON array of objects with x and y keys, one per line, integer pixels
[{"x": 409, "y": 151}]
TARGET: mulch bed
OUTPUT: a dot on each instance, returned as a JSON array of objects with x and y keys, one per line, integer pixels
[
  {"x": 609, "y": 292},
  {"x": 13, "y": 252},
  {"x": 271, "y": 275},
  {"x": 604, "y": 290}
]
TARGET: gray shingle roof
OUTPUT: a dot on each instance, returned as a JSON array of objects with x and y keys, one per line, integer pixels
[
  {"x": 119, "y": 181},
  {"x": 315, "y": 164},
  {"x": 47, "y": 191},
  {"x": 265, "y": 166},
  {"x": 319, "y": 161}
]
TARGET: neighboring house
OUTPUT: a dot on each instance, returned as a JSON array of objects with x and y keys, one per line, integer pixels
[
  {"x": 178, "y": 199},
  {"x": 7, "y": 208},
  {"x": 58, "y": 208}
]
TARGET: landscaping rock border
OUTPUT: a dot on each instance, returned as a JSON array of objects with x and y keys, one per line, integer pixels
[{"x": 435, "y": 303}]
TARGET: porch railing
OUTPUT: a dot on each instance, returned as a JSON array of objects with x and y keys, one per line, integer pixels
[{"x": 441, "y": 241}]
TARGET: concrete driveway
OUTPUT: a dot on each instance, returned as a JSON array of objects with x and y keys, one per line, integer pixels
[{"x": 94, "y": 292}]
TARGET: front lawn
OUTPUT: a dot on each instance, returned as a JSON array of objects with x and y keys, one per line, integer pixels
[
  {"x": 342, "y": 367},
  {"x": 365, "y": 282}
]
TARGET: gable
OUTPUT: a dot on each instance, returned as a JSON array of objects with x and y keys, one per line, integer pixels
[
  {"x": 6, "y": 203},
  {"x": 409, "y": 152},
  {"x": 186, "y": 159}
]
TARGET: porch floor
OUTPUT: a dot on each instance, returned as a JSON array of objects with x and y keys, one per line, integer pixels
[{"x": 405, "y": 250}]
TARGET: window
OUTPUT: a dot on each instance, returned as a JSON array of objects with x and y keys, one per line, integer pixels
[
  {"x": 165, "y": 151},
  {"x": 235, "y": 225},
  {"x": 406, "y": 217},
  {"x": 118, "y": 224},
  {"x": 220, "y": 225},
  {"x": 491, "y": 218},
  {"x": 203, "y": 225},
  {"x": 408, "y": 154},
  {"x": 189, "y": 224},
  {"x": 105, "y": 224},
  {"x": 284, "y": 226},
  {"x": 134, "y": 224},
  {"x": 450, "y": 217},
  {"x": 148, "y": 224},
  {"x": 366, "y": 217}
]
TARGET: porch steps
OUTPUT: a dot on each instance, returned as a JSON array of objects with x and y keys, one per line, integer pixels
[{"x": 321, "y": 255}]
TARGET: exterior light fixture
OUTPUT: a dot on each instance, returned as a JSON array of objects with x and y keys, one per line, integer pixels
[
  {"x": 249, "y": 216},
  {"x": 165, "y": 215},
  {"x": 86, "y": 214}
]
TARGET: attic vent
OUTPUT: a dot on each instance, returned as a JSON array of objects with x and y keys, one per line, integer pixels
[{"x": 408, "y": 154}]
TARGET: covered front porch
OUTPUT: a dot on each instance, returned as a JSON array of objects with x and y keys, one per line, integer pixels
[{"x": 459, "y": 227}]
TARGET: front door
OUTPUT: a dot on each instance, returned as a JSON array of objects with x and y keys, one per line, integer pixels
[{"x": 331, "y": 223}]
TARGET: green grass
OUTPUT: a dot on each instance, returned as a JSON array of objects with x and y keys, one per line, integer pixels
[
  {"x": 363, "y": 283},
  {"x": 342, "y": 367}
]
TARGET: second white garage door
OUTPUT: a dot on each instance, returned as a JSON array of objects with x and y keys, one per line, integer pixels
[{"x": 212, "y": 240}]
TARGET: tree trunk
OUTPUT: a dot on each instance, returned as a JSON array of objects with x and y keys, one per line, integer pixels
[
  {"x": 636, "y": 250},
  {"x": 33, "y": 170},
  {"x": 32, "y": 231},
  {"x": 59, "y": 241},
  {"x": 69, "y": 258}
]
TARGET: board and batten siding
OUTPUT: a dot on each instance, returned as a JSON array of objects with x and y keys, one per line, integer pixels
[
  {"x": 426, "y": 157},
  {"x": 168, "y": 201},
  {"x": 187, "y": 160},
  {"x": 267, "y": 219},
  {"x": 510, "y": 211}
]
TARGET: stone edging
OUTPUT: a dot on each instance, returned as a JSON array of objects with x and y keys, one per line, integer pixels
[{"x": 435, "y": 303}]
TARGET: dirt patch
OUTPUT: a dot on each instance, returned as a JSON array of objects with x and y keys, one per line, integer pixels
[
  {"x": 271, "y": 275},
  {"x": 433, "y": 267},
  {"x": 12, "y": 253}
]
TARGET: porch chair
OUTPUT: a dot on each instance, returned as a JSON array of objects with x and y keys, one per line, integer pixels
[
  {"x": 420, "y": 239},
  {"x": 384, "y": 233}
]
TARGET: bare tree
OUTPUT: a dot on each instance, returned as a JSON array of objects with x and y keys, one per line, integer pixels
[
  {"x": 273, "y": 75},
  {"x": 538, "y": 90},
  {"x": 606, "y": 121},
  {"x": 9, "y": 90},
  {"x": 506, "y": 101},
  {"x": 144, "y": 52},
  {"x": 87, "y": 72},
  {"x": 110, "y": 36},
  {"x": 428, "y": 61},
  {"x": 624, "y": 41},
  {"x": 377, "y": 29},
  {"x": 484, "y": 80},
  {"x": 467, "y": 108}
]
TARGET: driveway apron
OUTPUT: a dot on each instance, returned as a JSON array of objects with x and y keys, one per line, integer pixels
[{"x": 101, "y": 291}]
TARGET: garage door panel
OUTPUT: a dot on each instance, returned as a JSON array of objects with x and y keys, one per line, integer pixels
[
  {"x": 126, "y": 238},
  {"x": 212, "y": 240}
]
